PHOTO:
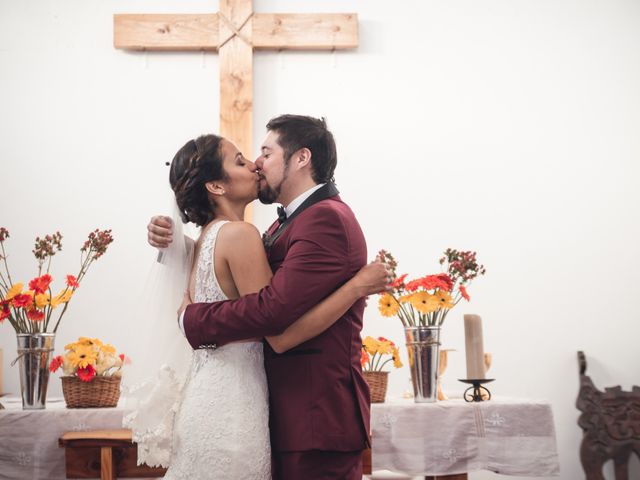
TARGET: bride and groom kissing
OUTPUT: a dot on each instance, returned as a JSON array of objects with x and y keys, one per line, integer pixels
[{"x": 275, "y": 388}]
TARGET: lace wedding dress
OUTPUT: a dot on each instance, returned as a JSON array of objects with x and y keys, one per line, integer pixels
[{"x": 216, "y": 427}]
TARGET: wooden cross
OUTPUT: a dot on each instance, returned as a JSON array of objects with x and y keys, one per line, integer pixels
[{"x": 234, "y": 32}]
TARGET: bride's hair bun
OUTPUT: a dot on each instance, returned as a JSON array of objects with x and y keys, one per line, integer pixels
[{"x": 198, "y": 162}]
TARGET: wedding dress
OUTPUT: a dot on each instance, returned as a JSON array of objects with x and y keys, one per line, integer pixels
[{"x": 216, "y": 427}]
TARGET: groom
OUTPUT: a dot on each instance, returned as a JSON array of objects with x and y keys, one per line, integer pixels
[{"x": 319, "y": 401}]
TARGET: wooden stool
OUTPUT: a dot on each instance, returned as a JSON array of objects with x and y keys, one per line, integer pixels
[{"x": 104, "y": 454}]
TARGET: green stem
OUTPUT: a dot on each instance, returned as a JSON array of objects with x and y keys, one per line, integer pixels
[
  {"x": 60, "y": 317},
  {"x": 386, "y": 361},
  {"x": 6, "y": 265}
]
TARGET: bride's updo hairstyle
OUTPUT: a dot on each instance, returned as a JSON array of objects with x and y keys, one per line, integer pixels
[{"x": 198, "y": 162}]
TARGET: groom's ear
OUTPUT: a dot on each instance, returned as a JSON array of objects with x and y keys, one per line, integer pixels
[
  {"x": 302, "y": 158},
  {"x": 214, "y": 188}
]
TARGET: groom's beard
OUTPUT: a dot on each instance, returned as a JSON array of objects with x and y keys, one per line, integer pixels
[{"x": 269, "y": 194}]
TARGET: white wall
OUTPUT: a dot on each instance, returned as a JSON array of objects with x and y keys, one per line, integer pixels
[{"x": 506, "y": 127}]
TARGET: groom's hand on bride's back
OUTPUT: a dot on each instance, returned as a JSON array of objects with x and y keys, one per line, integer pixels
[{"x": 160, "y": 231}]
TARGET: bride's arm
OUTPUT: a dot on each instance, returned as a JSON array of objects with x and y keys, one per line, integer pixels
[{"x": 242, "y": 248}]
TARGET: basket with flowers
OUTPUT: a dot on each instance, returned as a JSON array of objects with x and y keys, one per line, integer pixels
[
  {"x": 92, "y": 373},
  {"x": 376, "y": 353}
]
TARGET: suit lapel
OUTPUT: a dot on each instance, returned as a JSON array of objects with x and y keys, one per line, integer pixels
[{"x": 327, "y": 191}]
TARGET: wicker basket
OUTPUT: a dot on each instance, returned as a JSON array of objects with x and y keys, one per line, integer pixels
[
  {"x": 99, "y": 392},
  {"x": 377, "y": 385}
]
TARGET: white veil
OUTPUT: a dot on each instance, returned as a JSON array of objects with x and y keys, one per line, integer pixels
[{"x": 152, "y": 387}]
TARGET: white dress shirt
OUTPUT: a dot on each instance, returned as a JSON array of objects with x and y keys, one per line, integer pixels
[{"x": 289, "y": 209}]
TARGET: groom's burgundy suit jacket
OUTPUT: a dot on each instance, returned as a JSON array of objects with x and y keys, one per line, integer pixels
[{"x": 318, "y": 396}]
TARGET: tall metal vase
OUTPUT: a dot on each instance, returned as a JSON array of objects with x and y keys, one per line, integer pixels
[
  {"x": 423, "y": 345},
  {"x": 34, "y": 352}
]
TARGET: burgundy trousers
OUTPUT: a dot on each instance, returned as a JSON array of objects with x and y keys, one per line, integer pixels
[{"x": 317, "y": 465}]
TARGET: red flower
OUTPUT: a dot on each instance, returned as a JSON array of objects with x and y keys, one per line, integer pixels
[
  {"x": 22, "y": 300},
  {"x": 398, "y": 281},
  {"x": 445, "y": 282},
  {"x": 40, "y": 284},
  {"x": 413, "y": 285},
  {"x": 35, "y": 315},
  {"x": 463, "y": 292},
  {"x": 4, "y": 311},
  {"x": 364, "y": 358},
  {"x": 86, "y": 374},
  {"x": 382, "y": 339},
  {"x": 72, "y": 281},
  {"x": 121, "y": 357},
  {"x": 441, "y": 281},
  {"x": 56, "y": 363}
]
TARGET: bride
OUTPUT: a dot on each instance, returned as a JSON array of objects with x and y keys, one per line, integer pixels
[{"x": 221, "y": 427}]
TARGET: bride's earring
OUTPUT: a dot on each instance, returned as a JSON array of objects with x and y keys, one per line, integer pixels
[{"x": 215, "y": 189}]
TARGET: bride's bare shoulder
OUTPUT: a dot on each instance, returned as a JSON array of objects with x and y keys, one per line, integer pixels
[{"x": 239, "y": 233}]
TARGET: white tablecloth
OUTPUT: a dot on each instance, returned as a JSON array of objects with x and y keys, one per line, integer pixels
[
  {"x": 29, "y": 438},
  {"x": 506, "y": 436}
]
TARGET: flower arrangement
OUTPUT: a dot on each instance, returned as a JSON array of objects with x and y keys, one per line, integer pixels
[
  {"x": 89, "y": 358},
  {"x": 426, "y": 301},
  {"x": 373, "y": 352},
  {"x": 32, "y": 310}
]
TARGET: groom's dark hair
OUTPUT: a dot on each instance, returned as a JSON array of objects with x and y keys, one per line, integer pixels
[{"x": 299, "y": 131}]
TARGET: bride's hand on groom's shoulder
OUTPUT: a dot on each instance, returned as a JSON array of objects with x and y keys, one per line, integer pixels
[
  {"x": 160, "y": 231},
  {"x": 373, "y": 278}
]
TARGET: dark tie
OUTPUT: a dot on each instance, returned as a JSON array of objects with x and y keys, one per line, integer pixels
[{"x": 282, "y": 215}]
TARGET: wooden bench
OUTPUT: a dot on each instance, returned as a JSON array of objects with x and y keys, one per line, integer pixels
[{"x": 104, "y": 454}]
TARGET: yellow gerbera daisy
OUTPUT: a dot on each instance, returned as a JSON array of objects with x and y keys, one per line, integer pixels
[
  {"x": 405, "y": 298},
  {"x": 384, "y": 347},
  {"x": 63, "y": 297},
  {"x": 396, "y": 358},
  {"x": 107, "y": 348},
  {"x": 14, "y": 290},
  {"x": 444, "y": 299},
  {"x": 91, "y": 342},
  {"x": 42, "y": 300},
  {"x": 388, "y": 305},
  {"x": 371, "y": 345},
  {"x": 82, "y": 356},
  {"x": 423, "y": 302}
]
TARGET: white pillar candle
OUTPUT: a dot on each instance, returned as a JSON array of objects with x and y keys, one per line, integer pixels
[{"x": 473, "y": 346}]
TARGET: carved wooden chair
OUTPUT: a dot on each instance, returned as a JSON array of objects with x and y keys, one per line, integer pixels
[{"x": 610, "y": 422}]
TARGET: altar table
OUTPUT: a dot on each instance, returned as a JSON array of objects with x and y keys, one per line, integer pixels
[
  {"x": 29, "y": 438},
  {"x": 506, "y": 436},
  {"x": 511, "y": 437}
]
